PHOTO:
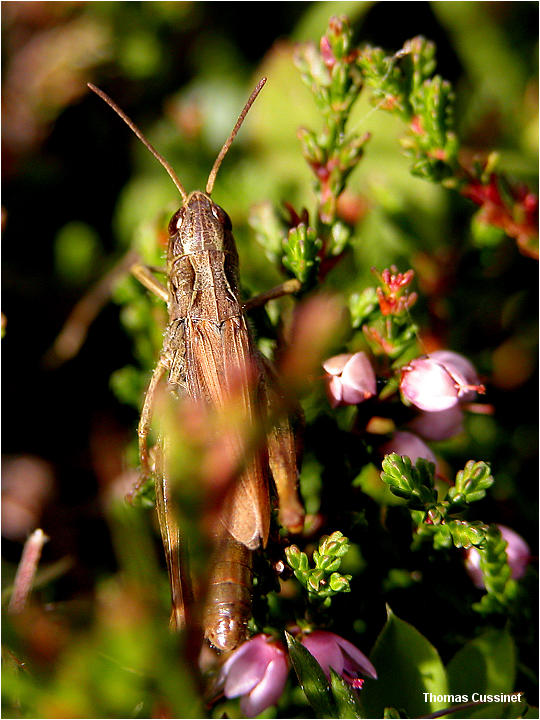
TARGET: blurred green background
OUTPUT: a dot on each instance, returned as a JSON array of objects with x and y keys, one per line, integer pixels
[{"x": 77, "y": 187}]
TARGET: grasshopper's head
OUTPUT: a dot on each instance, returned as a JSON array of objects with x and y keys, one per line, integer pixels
[{"x": 199, "y": 225}]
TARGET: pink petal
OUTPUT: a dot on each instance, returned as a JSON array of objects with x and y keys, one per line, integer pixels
[
  {"x": 472, "y": 565},
  {"x": 353, "y": 396},
  {"x": 428, "y": 385},
  {"x": 269, "y": 690},
  {"x": 462, "y": 370},
  {"x": 335, "y": 391},
  {"x": 335, "y": 365},
  {"x": 355, "y": 660},
  {"x": 405, "y": 443},
  {"x": 438, "y": 425},
  {"x": 517, "y": 551},
  {"x": 458, "y": 365},
  {"x": 324, "y": 648},
  {"x": 359, "y": 375},
  {"x": 245, "y": 667}
]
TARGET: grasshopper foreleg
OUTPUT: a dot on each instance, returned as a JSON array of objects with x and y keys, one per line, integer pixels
[
  {"x": 145, "y": 277},
  {"x": 289, "y": 287},
  {"x": 145, "y": 421}
]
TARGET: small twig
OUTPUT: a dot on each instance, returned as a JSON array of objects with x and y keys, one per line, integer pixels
[
  {"x": 75, "y": 330},
  {"x": 24, "y": 578}
]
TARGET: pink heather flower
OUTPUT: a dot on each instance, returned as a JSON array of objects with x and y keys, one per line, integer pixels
[
  {"x": 438, "y": 425},
  {"x": 439, "y": 381},
  {"x": 517, "y": 551},
  {"x": 350, "y": 380},
  {"x": 257, "y": 671},
  {"x": 405, "y": 443},
  {"x": 463, "y": 372},
  {"x": 333, "y": 651}
]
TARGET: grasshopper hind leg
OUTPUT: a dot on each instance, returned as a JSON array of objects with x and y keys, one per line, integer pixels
[{"x": 176, "y": 559}]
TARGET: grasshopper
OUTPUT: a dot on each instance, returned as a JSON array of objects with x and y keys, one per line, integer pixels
[{"x": 209, "y": 355}]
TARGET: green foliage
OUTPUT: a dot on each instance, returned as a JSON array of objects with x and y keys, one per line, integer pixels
[
  {"x": 311, "y": 678},
  {"x": 322, "y": 581},
  {"x": 268, "y": 229},
  {"x": 486, "y": 664},
  {"x": 407, "y": 666},
  {"x": 301, "y": 254},
  {"x": 337, "y": 699},
  {"x": 471, "y": 483},
  {"x": 433, "y": 520},
  {"x": 413, "y": 483},
  {"x": 501, "y": 589},
  {"x": 335, "y": 82},
  {"x": 347, "y": 702},
  {"x": 403, "y": 84},
  {"x": 362, "y": 305}
]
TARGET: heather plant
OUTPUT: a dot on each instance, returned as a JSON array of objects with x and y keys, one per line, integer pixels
[{"x": 403, "y": 596}]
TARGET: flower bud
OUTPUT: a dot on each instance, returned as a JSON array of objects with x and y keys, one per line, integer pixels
[
  {"x": 517, "y": 552},
  {"x": 438, "y": 425},
  {"x": 350, "y": 379},
  {"x": 405, "y": 443},
  {"x": 439, "y": 381},
  {"x": 256, "y": 671}
]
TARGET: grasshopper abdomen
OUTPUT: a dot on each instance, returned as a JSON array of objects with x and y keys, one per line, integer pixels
[{"x": 228, "y": 604}]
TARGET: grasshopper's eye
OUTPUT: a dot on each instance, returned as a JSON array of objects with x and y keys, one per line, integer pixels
[
  {"x": 221, "y": 216},
  {"x": 176, "y": 221}
]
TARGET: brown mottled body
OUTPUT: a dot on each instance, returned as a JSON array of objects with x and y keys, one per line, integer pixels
[
  {"x": 208, "y": 349},
  {"x": 209, "y": 354}
]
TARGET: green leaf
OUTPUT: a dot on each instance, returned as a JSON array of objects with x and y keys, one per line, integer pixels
[
  {"x": 361, "y": 305},
  {"x": 407, "y": 666},
  {"x": 300, "y": 253},
  {"x": 345, "y": 696},
  {"x": 312, "y": 679},
  {"x": 414, "y": 483},
  {"x": 486, "y": 664},
  {"x": 391, "y": 713},
  {"x": 268, "y": 227},
  {"x": 471, "y": 483},
  {"x": 466, "y": 534}
]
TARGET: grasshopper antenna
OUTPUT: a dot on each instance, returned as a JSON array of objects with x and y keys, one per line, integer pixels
[
  {"x": 144, "y": 141},
  {"x": 228, "y": 142}
]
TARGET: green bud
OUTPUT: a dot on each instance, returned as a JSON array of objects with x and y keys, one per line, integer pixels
[
  {"x": 339, "y": 36},
  {"x": 483, "y": 233},
  {"x": 315, "y": 579},
  {"x": 311, "y": 65},
  {"x": 300, "y": 253},
  {"x": 267, "y": 226},
  {"x": 311, "y": 149},
  {"x": 340, "y": 583},
  {"x": 339, "y": 237},
  {"x": 295, "y": 557}
]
